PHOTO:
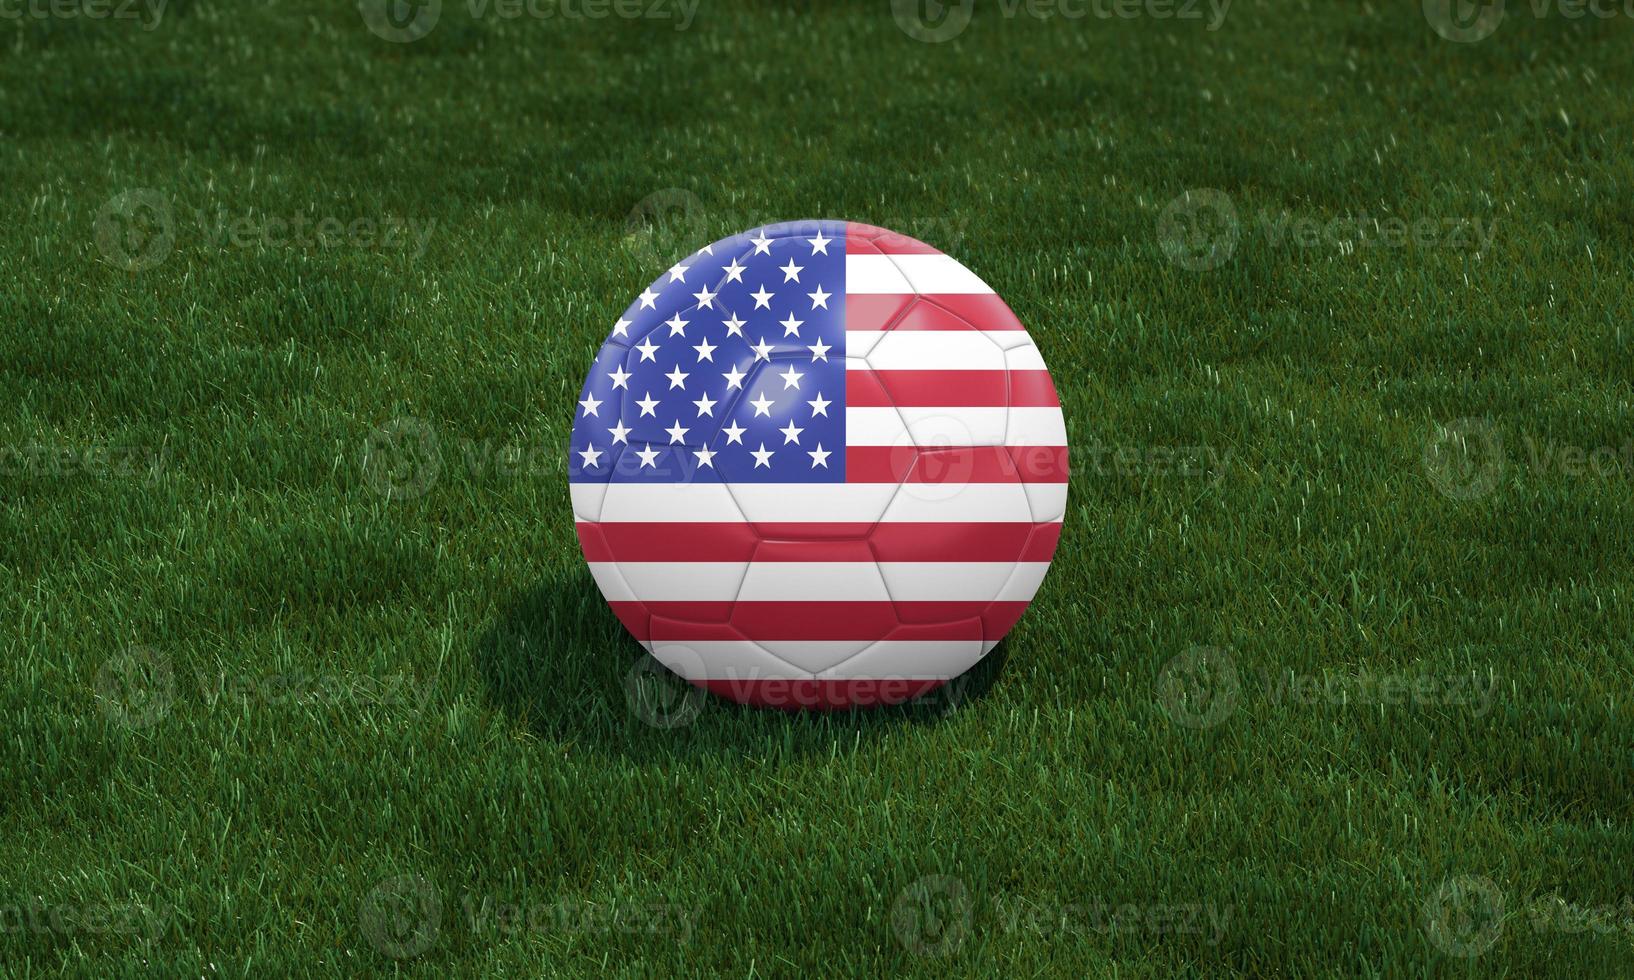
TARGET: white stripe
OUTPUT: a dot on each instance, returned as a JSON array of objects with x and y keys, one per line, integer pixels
[
  {"x": 1024, "y": 358},
  {"x": 818, "y": 581},
  {"x": 797, "y": 502},
  {"x": 955, "y": 426},
  {"x": 750, "y": 660},
  {"x": 1046, "y": 507},
  {"x": 941, "y": 350},
  {"x": 910, "y": 274}
]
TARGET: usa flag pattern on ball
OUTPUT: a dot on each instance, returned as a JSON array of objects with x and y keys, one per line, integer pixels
[{"x": 819, "y": 464}]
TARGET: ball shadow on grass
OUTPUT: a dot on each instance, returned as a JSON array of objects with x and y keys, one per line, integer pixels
[{"x": 560, "y": 664}]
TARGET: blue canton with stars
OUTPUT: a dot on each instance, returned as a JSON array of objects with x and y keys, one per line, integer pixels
[{"x": 729, "y": 368}]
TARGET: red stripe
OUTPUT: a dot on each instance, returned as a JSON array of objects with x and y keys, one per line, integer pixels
[
  {"x": 975, "y": 389},
  {"x": 681, "y": 621},
  {"x": 797, "y": 693},
  {"x": 864, "y": 311},
  {"x": 873, "y": 240},
  {"x": 936, "y": 311},
  {"x": 909, "y": 541},
  {"x": 971, "y": 464}
]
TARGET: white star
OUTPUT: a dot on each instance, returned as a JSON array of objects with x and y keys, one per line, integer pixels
[
  {"x": 763, "y": 245},
  {"x": 677, "y": 326},
  {"x": 706, "y": 405},
  {"x": 820, "y": 244},
  {"x": 791, "y": 326},
  {"x": 791, "y": 378},
  {"x": 819, "y": 350},
  {"x": 763, "y": 350},
  {"x": 591, "y": 454},
  {"x": 763, "y": 457},
  {"x": 706, "y": 350},
  {"x": 819, "y": 405},
  {"x": 648, "y": 405},
  {"x": 649, "y": 299},
  {"x": 734, "y": 433},
  {"x": 819, "y": 457},
  {"x": 734, "y": 326},
  {"x": 734, "y": 272},
  {"x": 791, "y": 433},
  {"x": 708, "y": 249},
  {"x": 819, "y": 298},
  {"x": 706, "y": 457},
  {"x": 648, "y": 349},
  {"x": 677, "y": 432},
  {"x": 621, "y": 328},
  {"x": 705, "y": 297},
  {"x": 734, "y": 378},
  {"x": 619, "y": 432},
  {"x": 590, "y": 405},
  {"x": 763, "y": 406},
  {"x": 677, "y": 378},
  {"x": 647, "y": 456},
  {"x": 792, "y": 271},
  {"x": 621, "y": 377},
  {"x": 763, "y": 299},
  {"x": 677, "y": 273}
]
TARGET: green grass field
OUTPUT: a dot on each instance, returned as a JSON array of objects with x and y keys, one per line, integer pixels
[{"x": 302, "y": 668}]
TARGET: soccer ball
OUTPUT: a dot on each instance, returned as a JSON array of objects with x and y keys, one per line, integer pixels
[{"x": 818, "y": 465}]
